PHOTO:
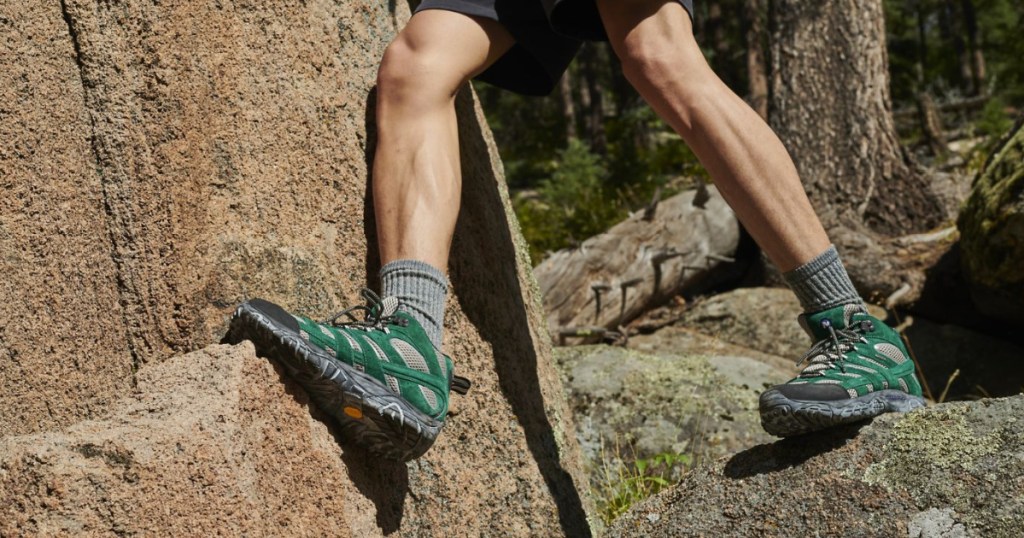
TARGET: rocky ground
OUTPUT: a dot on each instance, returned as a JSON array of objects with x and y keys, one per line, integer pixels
[
  {"x": 634, "y": 405},
  {"x": 764, "y": 319},
  {"x": 952, "y": 470},
  {"x": 689, "y": 383}
]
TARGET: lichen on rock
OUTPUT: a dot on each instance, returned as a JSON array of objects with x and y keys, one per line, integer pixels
[
  {"x": 925, "y": 443},
  {"x": 634, "y": 405},
  {"x": 953, "y": 467}
]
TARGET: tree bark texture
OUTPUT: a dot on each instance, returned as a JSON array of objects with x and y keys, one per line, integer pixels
[
  {"x": 652, "y": 256},
  {"x": 831, "y": 106}
]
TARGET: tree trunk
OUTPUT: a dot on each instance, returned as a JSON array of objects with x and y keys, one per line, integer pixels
[
  {"x": 715, "y": 39},
  {"x": 922, "y": 47},
  {"x": 953, "y": 26},
  {"x": 757, "y": 65},
  {"x": 593, "y": 101},
  {"x": 950, "y": 32},
  {"x": 830, "y": 104},
  {"x": 974, "y": 43},
  {"x": 568, "y": 107}
]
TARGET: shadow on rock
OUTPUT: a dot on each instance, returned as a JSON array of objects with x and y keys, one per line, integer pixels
[
  {"x": 789, "y": 452},
  {"x": 382, "y": 481},
  {"x": 385, "y": 482},
  {"x": 483, "y": 269},
  {"x": 491, "y": 298},
  {"x": 372, "y": 258}
]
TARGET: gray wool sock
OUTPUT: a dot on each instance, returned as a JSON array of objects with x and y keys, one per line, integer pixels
[
  {"x": 421, "y": 290},
  {"x": 822, "y": 283}
]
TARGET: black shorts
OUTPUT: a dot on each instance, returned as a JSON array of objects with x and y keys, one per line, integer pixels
[{"x": 548, "y": 34}]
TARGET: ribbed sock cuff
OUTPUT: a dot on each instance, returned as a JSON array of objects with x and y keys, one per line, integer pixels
[
  {"x": 822, "y": 283},
  {"x": 421, "y": 290}
]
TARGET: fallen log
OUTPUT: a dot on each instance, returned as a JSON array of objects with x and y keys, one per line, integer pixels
[{"x": 670, "y": 248}]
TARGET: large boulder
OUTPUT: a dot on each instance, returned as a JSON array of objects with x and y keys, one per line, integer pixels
[
  {"x": 759, "y": 318},
  {"x": 743, "y": 366},
  {"x": 221, "y": 441},
  {"x": 945, "y": 471},
  {"x": 163, "y": 161},
  {"x": 698, "y": 398},
  {"x": 991, "y": 230}
]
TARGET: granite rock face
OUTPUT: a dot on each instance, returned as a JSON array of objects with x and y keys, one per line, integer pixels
[
  {"x": 948, "y": 470},
  {"x": 163, "y": 161},
  {"x": 220, "y": 441},
  {"x": 213, "y": 441}
]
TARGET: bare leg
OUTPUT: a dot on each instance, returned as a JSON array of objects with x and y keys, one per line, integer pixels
[
  {"x": 416, "y": 174},
  {"x": 849, "y": 378},
  {"x": 748, "y": 163}
]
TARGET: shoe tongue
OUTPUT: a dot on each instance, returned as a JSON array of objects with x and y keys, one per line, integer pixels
[
  {"x": 385, "y": 308},
  {"x": 816, "y": 324}
]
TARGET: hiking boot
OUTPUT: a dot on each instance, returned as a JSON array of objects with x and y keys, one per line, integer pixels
[
  {"x": 858, "y": 368},
  {"x": 379, "y": 376}
]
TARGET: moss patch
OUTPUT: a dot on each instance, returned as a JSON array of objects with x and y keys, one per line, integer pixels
[
  {"x": 931, "y": 451},
  {"x": 992, "y": 220}
]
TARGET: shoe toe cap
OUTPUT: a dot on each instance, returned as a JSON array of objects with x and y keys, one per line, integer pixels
[
  {"x": 812, "y": 391},
  {"x": 275, "y": 313}
]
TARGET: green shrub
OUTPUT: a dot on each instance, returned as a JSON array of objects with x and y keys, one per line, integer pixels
[
  {"x": 625, "y": 485},
  {"x": 572, "y": 204},
  {"x": 992, "y": 124},
  {"x": 580, "y": 197}
]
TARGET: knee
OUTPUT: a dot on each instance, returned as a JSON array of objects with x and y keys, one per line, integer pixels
[
  {"x": 411, "y": 72},
  {"x": 660, "y": 59}
]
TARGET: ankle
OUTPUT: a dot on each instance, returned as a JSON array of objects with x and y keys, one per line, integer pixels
[
  {"x": 822, "y": 283},
  {"x": 421, "y": 290}
]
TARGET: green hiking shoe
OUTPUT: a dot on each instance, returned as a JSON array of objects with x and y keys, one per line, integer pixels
[
  {"x": 858, "y": 368},
  {"x": 379, "y": 376}
]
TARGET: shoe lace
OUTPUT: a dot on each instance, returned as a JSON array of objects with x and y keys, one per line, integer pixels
[
  {"x": 830, "y": 352},
  {"x": 377, "y": 314}
]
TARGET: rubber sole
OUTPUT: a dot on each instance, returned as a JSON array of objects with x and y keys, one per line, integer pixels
[
  {"x": 783, "y": 417},
  {"x": 369, "y": 414}
]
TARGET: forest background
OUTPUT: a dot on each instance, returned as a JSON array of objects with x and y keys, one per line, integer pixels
[{"x": 584, "y": 157}]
